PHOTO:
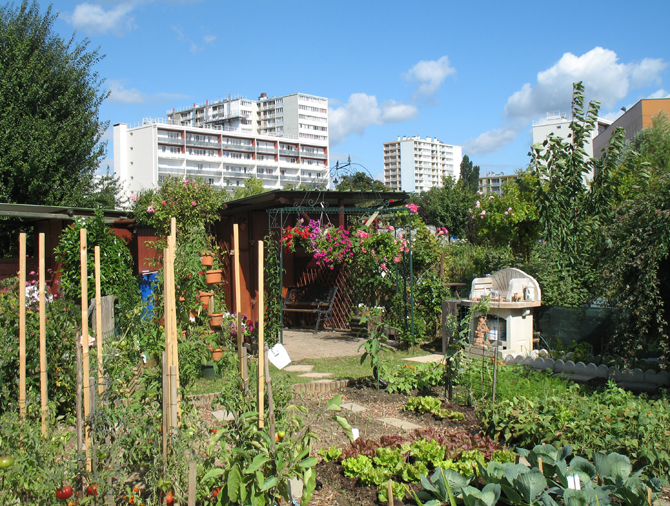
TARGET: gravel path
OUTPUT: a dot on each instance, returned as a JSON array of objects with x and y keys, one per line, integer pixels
[{"x": 302, "y": 344}]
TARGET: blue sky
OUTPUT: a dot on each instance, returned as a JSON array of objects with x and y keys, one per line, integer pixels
[{"x": 474, "y": 73}]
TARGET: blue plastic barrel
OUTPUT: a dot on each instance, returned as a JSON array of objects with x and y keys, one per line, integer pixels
[{"x": 147, "y": 280}]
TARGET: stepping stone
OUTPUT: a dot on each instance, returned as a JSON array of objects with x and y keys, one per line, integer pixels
[
  {"x": 315, "y": 375},
  {"x": 401, "y": 424},
  {"x": 355, "y": 408},
  {"x": 299, "y": 368},
  {"x": 223, "y": 416},
  {"x": 426, "y": 359}
]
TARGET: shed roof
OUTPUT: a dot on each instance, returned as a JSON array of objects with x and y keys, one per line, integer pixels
[
  {"x": 30, "y": 212},
  {"x": 290, "y": 198}
]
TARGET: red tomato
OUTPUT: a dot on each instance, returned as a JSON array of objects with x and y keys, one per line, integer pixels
[
  {"x": 92, "y": 490},
  {"x": 64, "y": 493},
  {"x": 216, "y": 492},
  {"x": 169, "y": 499}
]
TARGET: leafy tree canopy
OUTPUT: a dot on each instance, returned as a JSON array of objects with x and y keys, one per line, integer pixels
[
  {"x": 252, "y": 186},
  {"x": 360, "y": 181},
  {"x": 50, "y": 133},
  {"x": 448, "y": 206},
  {"x": 469, "y": 174}
]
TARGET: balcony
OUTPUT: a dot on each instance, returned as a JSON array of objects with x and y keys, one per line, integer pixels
[
  {"x": 290, "y": 178},
  {"x": 321, "y": 156},
  {"x": 238, "y": 147},
  {"x": 172, "y": 141},
  {"x": 289, "y": 152},
  {"x": 262, "y": 149},
  {"x": 268, "y": 177},
  {"x": 205, "y": 144}
]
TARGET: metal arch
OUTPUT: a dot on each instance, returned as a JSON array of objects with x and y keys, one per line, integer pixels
[{"x": 314, "y": 196}]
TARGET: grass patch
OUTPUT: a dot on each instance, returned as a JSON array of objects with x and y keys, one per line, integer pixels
[{"x": 341, "y": 367}]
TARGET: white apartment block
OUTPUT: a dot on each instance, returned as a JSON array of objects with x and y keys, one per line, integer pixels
[
  {"x": 493, "y": 183},
  {"x": 282, "y": 141},
  {"x": 146, "y": 154},
  {"x": 297, "y": 115},
  {"x": 413, "y": 164}
]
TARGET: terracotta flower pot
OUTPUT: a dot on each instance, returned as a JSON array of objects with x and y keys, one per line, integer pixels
[
  {"x": 205, "y": 297},
  {"x": 217, "y": 353},
  {"x": 215, "y": 319},
  {"x": 214, "y": 276},
  {"x": 207, "y": 260}
]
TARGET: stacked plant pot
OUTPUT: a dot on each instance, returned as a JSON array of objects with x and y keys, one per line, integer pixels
[{"x": 213, "y": 277}]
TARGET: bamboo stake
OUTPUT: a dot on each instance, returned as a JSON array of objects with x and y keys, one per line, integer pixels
[
  {"x": 175, "y": 362},
  {"x": 271, "y": 409},
  {"x": 167, "y": 356},
  {"x": 79, "y": 392},
  {"x": 43, "y": 338},
  {"x": 191, "y": 483},
  {"x": 83, "y": 254},
  {"x": 261, "y": 337},
  {"x": 390, "y": 493},
  {"x": 166, "y": 411},
  {"x": 22, "y": 325},
  {"x": 98, "y": 320},
  {"x": 173, "y": 395},
  {"x": 539, "y": 465},
  {"x": 238, "y": 294},
  {"x": 245, "y": 368}
]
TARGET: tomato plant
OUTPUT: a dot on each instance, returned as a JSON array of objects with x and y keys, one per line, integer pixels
[{"x": 64, "y": 493}]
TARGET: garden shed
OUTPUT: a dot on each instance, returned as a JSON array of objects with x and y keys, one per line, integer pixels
[
  {"x": 258, "y": 215},
  {"x": 52, "y": 220}
]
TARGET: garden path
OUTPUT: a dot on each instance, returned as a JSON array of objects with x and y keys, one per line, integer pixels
[{"x": 302, "y": 344}]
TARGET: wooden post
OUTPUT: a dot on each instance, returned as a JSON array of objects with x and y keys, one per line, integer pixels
[
  {"x": 43, "y": 338},
  {"x": 245, "y": 368},
  {"x": 390, "y": 493},
  {"x": 191, "y": 483},
  {"x": 167, "y": 356},
  {"x": 98, "y": 320},
  {"x": 22, "y": 325},
  {"x": 261, "y": 337},
  {"x": 175, "y": 344},
  {"x": 238, "y": 294},
  {"x": 83, "y": 255}
]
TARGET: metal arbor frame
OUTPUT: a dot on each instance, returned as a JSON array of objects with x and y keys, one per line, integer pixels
[{"x": 278, "y": 219}]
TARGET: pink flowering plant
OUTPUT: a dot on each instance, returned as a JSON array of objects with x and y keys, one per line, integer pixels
[
  {"x": 329, "y": 244},
  {"x": 193, "y": 202}
]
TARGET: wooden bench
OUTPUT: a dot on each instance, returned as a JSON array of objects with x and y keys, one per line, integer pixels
[{"x": 310, "y": 299}]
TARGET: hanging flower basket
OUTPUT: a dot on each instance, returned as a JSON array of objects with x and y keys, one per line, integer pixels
[
  {"x": 207, "y": 260},
  {"x": 214, "y": 277},
  {"x": 215, "y": 319}
]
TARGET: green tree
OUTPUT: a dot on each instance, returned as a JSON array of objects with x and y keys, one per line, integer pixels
[
  {"x": 448, "y": 206},
  {"x": 469, "y": 174},
  {"x": 50, "y": 132},
  {"x": 252, "y": 186},
  {"x": 360, "y": 182}
]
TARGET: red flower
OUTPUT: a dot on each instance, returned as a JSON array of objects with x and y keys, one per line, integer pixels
[{"x": 201, "y": 273}]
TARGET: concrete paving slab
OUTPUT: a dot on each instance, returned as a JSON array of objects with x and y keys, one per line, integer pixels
[
  {"x": 303, "y": 344},
  {"x": 223, "y": 416},
  {"x": 315, "y": 375},
  {"x": 426, "y": 359},
  {"x": 401, "y": 424},
  {"x": 299, "y": 368},
  {"x": 354, "y": 408}
]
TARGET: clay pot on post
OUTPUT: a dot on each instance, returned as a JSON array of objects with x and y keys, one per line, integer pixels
[
  {"x": 214, "y": 277},
  {"x": 215, "y": 319},
  {"x": 216, "y": 353},
  {"x": 207, "y": 260},
  {"x": 205, "y": 297}
]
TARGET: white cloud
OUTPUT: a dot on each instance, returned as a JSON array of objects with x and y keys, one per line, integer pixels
[
  {"x": 430, "y": 75},
  {"x": 660, "y": 94},
  {"x": 361, "y": 111},
  {"x": 604, "y": 78},
  {"x": 120, "y": 95},
  {"x": 491, "y": 141},
  {"x": 193, "y": 46},
  {"x": 94, "y": 20}
]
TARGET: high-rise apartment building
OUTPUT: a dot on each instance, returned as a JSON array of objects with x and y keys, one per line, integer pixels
[
  {"x": 297, "y": 115},
  {"x": 414, "y": 164},
  {"x": 282, "y": 141},
  {"x": 493, "y": 183},
  {"x": 558, "y": 123}
]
